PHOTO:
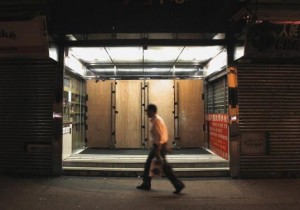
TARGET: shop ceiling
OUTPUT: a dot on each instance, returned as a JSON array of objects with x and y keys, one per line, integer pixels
[{"x": 152, "y": 61}]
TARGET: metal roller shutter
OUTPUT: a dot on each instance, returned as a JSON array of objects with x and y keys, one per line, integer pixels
[
  {"x": 26, "y": 113},
  {"x": 216, "y": 91},
  {"x": 269, "y": 102}
]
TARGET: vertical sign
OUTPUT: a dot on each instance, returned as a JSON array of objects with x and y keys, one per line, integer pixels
[
  {"x": 218, "y": 134},
  {"x": 233, "y": 106}
]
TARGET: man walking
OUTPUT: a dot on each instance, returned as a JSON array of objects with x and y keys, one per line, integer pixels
[{"x": 159, "y": 133}]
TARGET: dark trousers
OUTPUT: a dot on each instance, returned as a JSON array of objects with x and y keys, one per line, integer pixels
[{"x": 167, "y": 169}]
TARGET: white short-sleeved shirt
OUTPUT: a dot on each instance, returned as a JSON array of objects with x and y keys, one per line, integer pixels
[{"x": 159, "y": 131}]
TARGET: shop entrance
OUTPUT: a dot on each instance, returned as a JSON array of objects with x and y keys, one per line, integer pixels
[{"x": 118, "y": 89}]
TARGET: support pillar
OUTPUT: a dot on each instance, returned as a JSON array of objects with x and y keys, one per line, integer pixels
[{"x": 58, "y": 111}]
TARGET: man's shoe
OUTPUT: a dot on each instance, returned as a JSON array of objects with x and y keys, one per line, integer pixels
[
  {"x": 179, "y": 189},
  {"x": 143, "y": 187}
]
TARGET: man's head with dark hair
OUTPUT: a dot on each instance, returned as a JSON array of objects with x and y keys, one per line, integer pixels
[
  {"x": 151, "y": 110},
  {"x": 152, "y": 107}
]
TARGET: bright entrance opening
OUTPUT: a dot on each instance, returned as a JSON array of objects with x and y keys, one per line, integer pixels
[{"x": 107, "y": 90}]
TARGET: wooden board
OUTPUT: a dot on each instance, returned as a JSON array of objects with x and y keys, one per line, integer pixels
[
  {"x": 191, "y": 113},
  {"x": 161, "y": 93},
  {"x": 128, "y": 118},
  {"x": 99, "y": 114}
]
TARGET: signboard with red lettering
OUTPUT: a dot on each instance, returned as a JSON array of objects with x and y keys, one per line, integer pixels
[
  {"x": 218, "y": 134},
  {"x": 24, "y": 38},
  {"x": 268, "y": 40}
]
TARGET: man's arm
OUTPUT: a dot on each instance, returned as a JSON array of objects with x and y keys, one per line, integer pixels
[{"x": 157, "y": 151}]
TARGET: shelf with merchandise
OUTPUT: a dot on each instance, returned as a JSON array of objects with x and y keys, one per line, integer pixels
[{"x": 75, "y": 107}]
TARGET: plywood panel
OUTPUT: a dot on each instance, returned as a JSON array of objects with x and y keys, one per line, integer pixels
[
  {"x": 191, "y": 113},
  {"x": 161, "y": 93},
  {"x": 99, "y": 114},
  {"x": 128, "y": 118}
]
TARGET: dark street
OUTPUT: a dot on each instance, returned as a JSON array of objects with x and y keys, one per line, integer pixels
[{"x": 68, "y": 192}]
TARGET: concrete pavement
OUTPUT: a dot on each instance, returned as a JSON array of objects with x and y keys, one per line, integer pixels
[{"x": 71, "y": 192}]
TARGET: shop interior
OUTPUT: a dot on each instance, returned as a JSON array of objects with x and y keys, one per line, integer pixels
[{"x": 107, "y": 89}]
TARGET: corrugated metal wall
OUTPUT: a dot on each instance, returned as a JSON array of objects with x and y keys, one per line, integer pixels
[
  {"x": 269, "y": 103},
  {"x": 26, "y": 116}
]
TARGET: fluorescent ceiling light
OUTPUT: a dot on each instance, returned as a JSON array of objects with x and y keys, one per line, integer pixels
[
  {"x": 104, "y": 69},
  {"x": 185, "y": 70},
  {"x": 156, "y": 70},
  {"x": 130, "y": 69},
  {"x": 146, "y": 69}
]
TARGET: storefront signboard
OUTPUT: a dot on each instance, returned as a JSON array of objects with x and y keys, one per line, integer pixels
[
  {"x": 24, "y": 38},
  {"x": 270, "y": 40}
]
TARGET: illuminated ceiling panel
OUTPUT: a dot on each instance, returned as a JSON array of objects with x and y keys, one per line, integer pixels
[
  {"x": 148, "y": 59},
  {"x": 117, "y": 55}
]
